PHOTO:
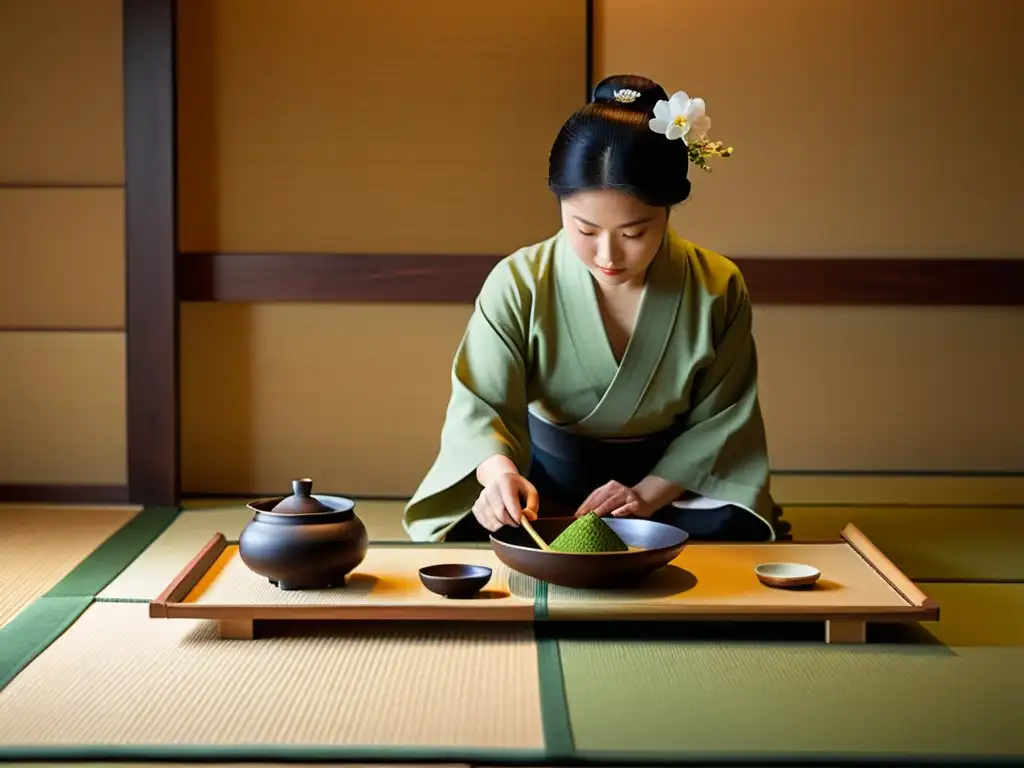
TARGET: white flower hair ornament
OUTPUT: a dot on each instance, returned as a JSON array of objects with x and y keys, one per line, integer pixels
[{"x": 684, "y": 118}]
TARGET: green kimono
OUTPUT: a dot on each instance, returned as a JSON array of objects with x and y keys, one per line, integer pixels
[{"x": 535, "y": 351}]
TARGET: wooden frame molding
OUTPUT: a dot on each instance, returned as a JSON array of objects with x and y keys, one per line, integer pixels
[
  {"x": 270, "y": 277},
  {"x": 589, "y": 50},
  {"x": 29, "y": 493},
  {"x": 151, "y": 251}
]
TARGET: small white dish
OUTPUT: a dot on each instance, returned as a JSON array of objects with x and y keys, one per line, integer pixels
[{"x": 787, "y": 575}]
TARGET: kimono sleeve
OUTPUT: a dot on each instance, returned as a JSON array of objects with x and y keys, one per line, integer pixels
[
  {"x": 722, "y": 452},
  {"x": 487, "y": 410}
]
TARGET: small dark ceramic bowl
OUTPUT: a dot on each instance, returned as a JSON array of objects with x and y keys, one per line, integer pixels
[{"x": 455, "y": 579}]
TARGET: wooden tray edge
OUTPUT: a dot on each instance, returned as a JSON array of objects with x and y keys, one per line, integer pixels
[
  {"x": 890, "y": 572},
  {"x": 577, "y": 612},
  {"x": 188, "y": 577},
  {"x": 449, "y": 610}
]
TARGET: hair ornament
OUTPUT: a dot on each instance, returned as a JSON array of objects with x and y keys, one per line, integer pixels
[
  {"x": 626, "y": 95},
  {"x": 684, "y": 118}
]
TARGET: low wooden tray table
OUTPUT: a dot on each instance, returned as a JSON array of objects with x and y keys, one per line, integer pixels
[{"x": 708, "y": 582}]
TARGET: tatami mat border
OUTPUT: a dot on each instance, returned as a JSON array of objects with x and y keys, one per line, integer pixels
[
  {"x": 274, "y": 754},
  {"x": 480, "y": 757},
  {"x": 799, "y": 760},
  {"x": 554, "y": 705},
  {"x": 115, "y": 554},
  {"x": 33, "y": 630},
  {"x": 45, "y": 619}
]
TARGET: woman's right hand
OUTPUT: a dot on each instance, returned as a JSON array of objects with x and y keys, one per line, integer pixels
[{"x": 499, "y": 503}]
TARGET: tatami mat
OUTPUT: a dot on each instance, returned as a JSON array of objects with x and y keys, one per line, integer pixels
[
  {"x": 117, "y": 677},
  {"x": 939, "y": 543},
  {"x": 897, "y": 489},
  {"x": 977, "y": 614},
  {"x": 154, "y": 569},
  {"x": 742, "y": 699},
  {"x": 40, "y": 545}
]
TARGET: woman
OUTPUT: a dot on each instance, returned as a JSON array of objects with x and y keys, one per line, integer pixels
[{"x": 611, "y": 367}]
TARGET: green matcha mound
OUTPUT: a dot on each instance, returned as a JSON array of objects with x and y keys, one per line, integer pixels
[{"x": 588, "y": 534}]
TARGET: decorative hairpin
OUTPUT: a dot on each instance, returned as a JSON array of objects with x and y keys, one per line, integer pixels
[
  {"x": 684, "y": 118},
  {"x": 626, "y": 95}
]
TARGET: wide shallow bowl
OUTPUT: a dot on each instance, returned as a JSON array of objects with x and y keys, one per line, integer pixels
[
  {"x": 786, "y": 575},
  {"x": 455, "y": 580},
  {"x": 652, "y": 546}
]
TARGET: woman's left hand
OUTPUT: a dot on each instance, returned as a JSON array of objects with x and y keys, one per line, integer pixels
[{"x": 615, "y": 499}]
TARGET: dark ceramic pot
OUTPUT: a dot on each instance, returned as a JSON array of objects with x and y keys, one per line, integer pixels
[{"x": 303, "y": 541}]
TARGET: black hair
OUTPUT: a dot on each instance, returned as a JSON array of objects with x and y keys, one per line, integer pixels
[{"x": 608, "y": 144}]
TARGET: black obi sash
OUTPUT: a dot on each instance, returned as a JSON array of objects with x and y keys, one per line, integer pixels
[{"x": 566, "y": 467}]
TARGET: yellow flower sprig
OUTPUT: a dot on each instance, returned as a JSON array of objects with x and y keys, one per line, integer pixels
[{"x": 701, "y": 149}]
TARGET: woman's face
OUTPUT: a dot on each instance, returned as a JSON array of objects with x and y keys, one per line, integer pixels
[{"x": 614, "y": 234}]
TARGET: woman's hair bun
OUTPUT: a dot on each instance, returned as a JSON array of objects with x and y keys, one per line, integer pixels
[
  {"x": 630, "y": 92},
  {"x": 609, "y": 144}
]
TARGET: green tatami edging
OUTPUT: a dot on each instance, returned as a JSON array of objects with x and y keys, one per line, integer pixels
[
  {"x": 41, "y": 622},
  {"x": 554, "y": 714},
  {"x": 115, "y": 554},
  {"x": 32, "y": 631}
]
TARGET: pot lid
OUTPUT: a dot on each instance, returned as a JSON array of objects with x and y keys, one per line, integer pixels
[{"x": 301, "y": 502}]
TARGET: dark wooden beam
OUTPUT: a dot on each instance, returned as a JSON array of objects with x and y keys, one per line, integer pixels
[
  {"x": 456, "y": 279},
  {"x": 589, "y": 61},
  {"x": 24, "y": 493},
  {"x": 884, "y": 281},
  {"x": 331, "y": 277},
  {"x": 151, "y": 248}
]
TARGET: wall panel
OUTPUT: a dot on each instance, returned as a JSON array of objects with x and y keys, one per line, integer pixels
[
  {"x": 60, "y": 92},
  {"x": 860, "y": 128},
  {"x": 351, "y": 395},
  {"x": 62, "y": 258},
  {"x": 62, "y": 408},
  {"x": 893, "y": 389},
  {"x": 354, "y": 395},
  {"x": 372, "y": 127}
]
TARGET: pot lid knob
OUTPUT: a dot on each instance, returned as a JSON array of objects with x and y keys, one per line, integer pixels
[{"x": 301, "y": 502}]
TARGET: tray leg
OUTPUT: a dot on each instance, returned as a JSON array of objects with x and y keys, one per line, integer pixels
[
  {"x": 236, "y": 629},
  {"x": 845, "y": 632}
]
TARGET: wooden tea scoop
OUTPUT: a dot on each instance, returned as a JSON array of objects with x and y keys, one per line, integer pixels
[{"x": 533, "y": 534}]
